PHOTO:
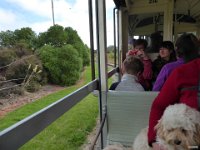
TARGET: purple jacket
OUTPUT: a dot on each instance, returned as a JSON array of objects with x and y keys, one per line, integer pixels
[{"x": 165, "y": 72}]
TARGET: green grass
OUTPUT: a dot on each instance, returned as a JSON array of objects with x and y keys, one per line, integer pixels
[{"x": 68, "y": 132}]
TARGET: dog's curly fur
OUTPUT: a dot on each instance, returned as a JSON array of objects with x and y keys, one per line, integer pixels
[
  {"x": 140, "y": 142},
  {"x": 178, "y": 129}
]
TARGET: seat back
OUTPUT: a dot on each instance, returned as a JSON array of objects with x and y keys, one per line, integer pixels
[{"x": 127, "y": 113}]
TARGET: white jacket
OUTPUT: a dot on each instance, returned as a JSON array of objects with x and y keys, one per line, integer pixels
[{"x": 129, "y": 83}]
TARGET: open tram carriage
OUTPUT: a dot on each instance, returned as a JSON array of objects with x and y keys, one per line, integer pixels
[
  {"x": 127, "y": 112},
  {"x": 122, "y": 114}
]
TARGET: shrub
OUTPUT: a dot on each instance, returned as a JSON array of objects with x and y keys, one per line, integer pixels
[
  {"x": 19, "y": 69},
  {"x": 75, "y": 40},
  {"x": 16, "y": 70},
  {"x": 63, "y": 64},
  {"x": 56, "y": 36},
  {"x": 6, "y": 57},
  {"x": 42, "y": 78},
  {"x": 10, "y": 88},
  {"x": 22, "y": 49},
  {"x": 83, "y": 52},
  {"x": 86, "y": 57},
  {"x": 33, "y": 86},
  {"x": 2, "y": 78}
]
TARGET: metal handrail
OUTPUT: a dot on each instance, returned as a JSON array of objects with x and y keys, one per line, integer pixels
[
  {"x": 99, "y": 131},
  {"x": 21, "y": 132},
  {"x": 113, "y": 71}
]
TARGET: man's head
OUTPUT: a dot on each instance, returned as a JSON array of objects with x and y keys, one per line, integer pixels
[
  {"x": 132, "y": 65},
  {"x": 140, "y": 44}
]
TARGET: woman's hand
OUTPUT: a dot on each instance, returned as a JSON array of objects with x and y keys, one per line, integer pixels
[
  {"x": 142, "y": 55},
  {"x": 157, "y": 146},
  {"x": 132, "y": 52}
]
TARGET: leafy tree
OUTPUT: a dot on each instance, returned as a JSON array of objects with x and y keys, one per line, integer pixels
[
  {"x": 21, "y": 44},
  {"x": 86, "y": 56},
  {"x": 56, "y": 36},
  {"x": 75, "y": 40},
  {"x": 73, "y": 36},
  {"x": 110, "y": 48},
  {"x": 83, "y": 52},
  {"x": 41, "y": 40},
  {"x": 27, "y": 35},
  {"x": 7, "y": 38},
  {"x": 62, "y": 63}
]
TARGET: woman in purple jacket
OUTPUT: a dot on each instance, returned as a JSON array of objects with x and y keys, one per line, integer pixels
[
  {"x": 186, "y": 51},
  {"x": 167, "y": 55}
]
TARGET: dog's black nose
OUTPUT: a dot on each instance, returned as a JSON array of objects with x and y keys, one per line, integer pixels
[{"x": 177, "y": 142}]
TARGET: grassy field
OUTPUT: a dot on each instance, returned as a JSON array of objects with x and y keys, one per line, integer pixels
[{"x": 68, "y": 132}]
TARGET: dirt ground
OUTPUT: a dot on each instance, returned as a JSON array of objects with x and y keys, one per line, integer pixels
[{"x": 13, "y": 102}]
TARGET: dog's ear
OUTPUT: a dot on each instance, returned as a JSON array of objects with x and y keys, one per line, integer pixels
[
  {"x": 160, "y": 130},
  {"x": 158, "y": 125},
  {"x": 197, "y": 134}
]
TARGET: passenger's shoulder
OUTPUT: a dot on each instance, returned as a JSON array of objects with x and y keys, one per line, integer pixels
[{"x": 190, "y": 65}]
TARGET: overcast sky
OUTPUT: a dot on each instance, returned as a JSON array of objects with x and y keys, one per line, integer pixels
[{"x": 37, "y": 14}]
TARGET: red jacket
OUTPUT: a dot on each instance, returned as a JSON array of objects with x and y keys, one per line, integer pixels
[
  {"x": 186, "y": 75},
  {"x": 146, "y": 76}
]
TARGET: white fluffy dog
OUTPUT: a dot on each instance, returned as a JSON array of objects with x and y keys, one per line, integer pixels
[
  {"x": 140, "y": 142},
  {"x": 178, "y": 129}
]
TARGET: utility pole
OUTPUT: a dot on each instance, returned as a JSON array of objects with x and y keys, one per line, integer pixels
[{"x": 52, "y": 12}]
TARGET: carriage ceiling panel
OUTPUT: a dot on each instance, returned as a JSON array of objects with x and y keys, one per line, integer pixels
[{"x": 187, "y": 8}]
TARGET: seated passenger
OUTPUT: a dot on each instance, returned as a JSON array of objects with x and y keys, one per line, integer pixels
[
  {"x": 182, "y": 84},
  {"x": 139, "y": 50},
  {"x": 166, "y": 55},
  {"x": 187, "y": 50},
  {"x": 156, "y": 40},
  {"x": 131, "y": 69}
]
